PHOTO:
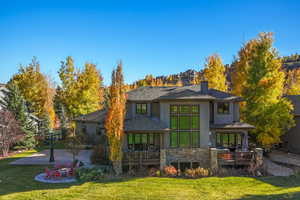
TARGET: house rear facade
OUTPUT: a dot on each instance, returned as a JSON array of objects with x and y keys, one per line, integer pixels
[
  {"x": 185, "y": 126},
  {"x": 292, "y": 137}
]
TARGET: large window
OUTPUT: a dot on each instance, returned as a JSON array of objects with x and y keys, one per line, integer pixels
[
  {"x": 223, "y": 108},
  {"x": 143, "y": 141},
  {"x": 141, "y": 108},
  {"x": 185, "y": 125},
  {"x": 229, "y": 140}
]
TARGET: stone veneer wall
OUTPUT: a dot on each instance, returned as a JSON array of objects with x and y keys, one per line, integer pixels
[
  {"x": 189, "y": 155},
  {"x": 207, "y": 158}
]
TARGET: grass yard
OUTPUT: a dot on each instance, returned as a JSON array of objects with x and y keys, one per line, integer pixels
[{"x": 16, "y": 182}]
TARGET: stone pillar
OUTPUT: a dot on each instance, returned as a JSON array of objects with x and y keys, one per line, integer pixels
[
  {"x": 214, "y": 158},
  {"x": 259, "y": 156},
  {"x": 163, "y": 159}
]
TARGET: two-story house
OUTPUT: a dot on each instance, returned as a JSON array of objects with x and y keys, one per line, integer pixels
[{"x": 183, "y": 126}]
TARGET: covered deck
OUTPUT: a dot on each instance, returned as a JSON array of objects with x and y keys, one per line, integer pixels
[
  {"x": 231, "y": 143},
  {"x": 144, "y": 140}
]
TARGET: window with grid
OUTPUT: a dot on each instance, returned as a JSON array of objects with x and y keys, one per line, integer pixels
[
  {"x": 141, "y": 108},
  {"x": 185, "y": 125},
  {"x": 143, "y": 141},
  {"x": 229, "y": 140},
  {"x": 223, "y": 108}
]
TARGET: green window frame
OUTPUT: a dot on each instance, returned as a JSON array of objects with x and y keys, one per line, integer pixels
[
  {"x": 185, "y": 126},
  {"x": 229, "y": 140},
  {"x": 143, "y": 141},
  {"x": 141, "y": 108}
]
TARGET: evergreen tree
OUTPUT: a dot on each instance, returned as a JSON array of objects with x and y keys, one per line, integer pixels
[
  {"x": 265, "y": 107},
  {"x": 14, "y": 102},
  {"x": 214, "y": 73}
]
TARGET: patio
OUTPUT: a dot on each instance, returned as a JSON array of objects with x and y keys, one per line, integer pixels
[{"x": 60, "y": 155}]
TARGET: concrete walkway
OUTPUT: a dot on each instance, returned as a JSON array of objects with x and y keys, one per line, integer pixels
[
  {"x": 285, "y": 158},
  {"x": 277, "y": 170},
  {"x": 60, "y": 155}
]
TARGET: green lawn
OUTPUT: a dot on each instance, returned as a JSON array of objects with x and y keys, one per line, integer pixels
[{"x": 16, "y": 182}]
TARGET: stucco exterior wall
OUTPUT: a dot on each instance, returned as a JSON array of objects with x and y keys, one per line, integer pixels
[
  {"x": 293, "y": 137},
  {"x": 223, "y": 118},
  {"x": 155, "y": 111},
  {"x": 236, "y": 112},
  {"x": 91, "y": 131}
]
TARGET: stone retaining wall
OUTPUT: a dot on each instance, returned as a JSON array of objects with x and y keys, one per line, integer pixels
[
  {"x": 185, "y": 155},
  {"x": 207, "y": 158}
]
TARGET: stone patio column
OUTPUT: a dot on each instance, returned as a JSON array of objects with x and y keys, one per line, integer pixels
[
  {"x": 259, "y": 156},
  {"x": 245, "y": 144},
  {"x": 163, "y": 159},
  {"x": 214, "y": 158}
]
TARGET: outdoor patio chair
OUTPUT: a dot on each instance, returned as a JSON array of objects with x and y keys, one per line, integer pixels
[
  {"x": 71, "y": 172},
  {"x": 48, "y": 173},
  {"x": 57, "y": 174}
]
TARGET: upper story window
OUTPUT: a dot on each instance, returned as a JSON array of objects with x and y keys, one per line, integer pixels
[
  {"x": 141, "y": 108},
  {"x": 223, "y": 108},
  {"x": 185, "y": 125}
]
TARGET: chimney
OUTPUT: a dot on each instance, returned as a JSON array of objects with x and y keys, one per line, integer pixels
[{"x": 204, "y": 87}]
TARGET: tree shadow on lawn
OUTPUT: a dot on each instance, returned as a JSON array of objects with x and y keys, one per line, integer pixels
[
  {"x": 282, "y": 182},
  {"x": 284, "y": 196}
]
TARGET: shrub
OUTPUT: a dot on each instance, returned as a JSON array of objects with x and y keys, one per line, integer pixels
[
  {"x": 154, "y": 172},
  {"x": 170, "y": 171},
  {"x": 92, "y": 174},
  {"x": 196, "y": 173}
]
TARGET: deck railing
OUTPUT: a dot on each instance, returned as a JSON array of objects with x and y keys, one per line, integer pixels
[
  {"x": 141, "y": 157},
  {"x": 236, "y": 158}
]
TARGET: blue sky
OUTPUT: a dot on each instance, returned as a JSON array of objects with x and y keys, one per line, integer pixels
[{"x": 151, "y": 37}]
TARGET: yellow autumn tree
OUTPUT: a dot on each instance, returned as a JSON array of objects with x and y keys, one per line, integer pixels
[
  {"x": 214, "y": 73},
  {"x": 36, "y": 89},
  {"x": 81, "y": 91},
  {"x": 114, "y": 122},
  {"x": 266, "y": 108},
  {"x": 179, "y": 83},
  {"x": 292, "y": 86},
  {"x": 240, "y": 67}
]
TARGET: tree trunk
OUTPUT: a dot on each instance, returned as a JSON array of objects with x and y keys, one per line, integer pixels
[
  {"x": 5, "y": 151},
  {"x": 117, "y": 165}
]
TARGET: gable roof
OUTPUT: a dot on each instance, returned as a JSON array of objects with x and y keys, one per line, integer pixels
[
  {"x": 149, "y": 93},
  {"x": 96, "y": 117},
  {"x": 295, "y": 99},
  {"x": 138, "y": 123},
  {"x": 145, "y": 123}
]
